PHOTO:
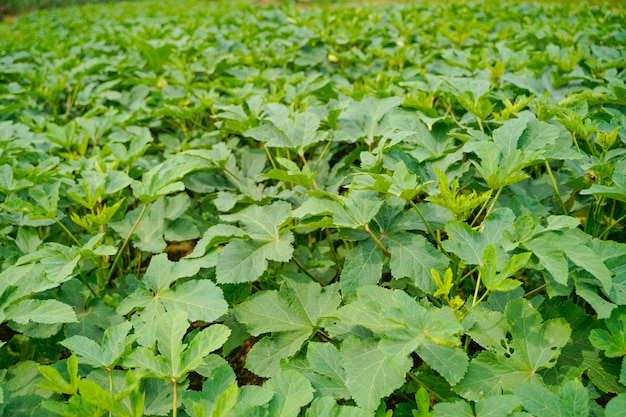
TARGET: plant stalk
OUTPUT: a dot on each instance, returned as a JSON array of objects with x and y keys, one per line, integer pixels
[{"x": 119, "y": 252}]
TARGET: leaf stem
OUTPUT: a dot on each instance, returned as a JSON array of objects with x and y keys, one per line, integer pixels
[
  {"x": 493, "y": 202},
  {"x": 378, "y": 242},
  {"x": 426, "y": 387},
  {"x": 319, "y": 159},
  {"x": 174, "y": 399},
  {"x": 119, "y": 252},
  {"x": 269, "y": 156},
  {"x": 70, "y": 234},
  {"x": 303, "y": 269},
  {"x": 556, "y": 188},
  {"x": 535, "y": 291},
  {"x": 606, "y": 230},
  {"x": 429, "y": 229}
]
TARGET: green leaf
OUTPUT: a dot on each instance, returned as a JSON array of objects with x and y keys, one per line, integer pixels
[
  {"x": 291, "y": 315},
  {"x": 613, "y": 340},
  {"x": 164, "y": 178},
  {"x": 262, "y": 222},
  {"x": 616, "y": 407},
  {"x": 358, "y": 209},
  {"x": 40, "y": 311},
  {"x": 364, "y": 119},
  {"x": 162, "y": 272},
  {"x": 451, "y": 362},
  {"x": 495, "y": 406},
  {"x": 363, "y": 266},
  {"x": 573, "y": 400},
  {"x": 326, "y": 370},
  {"x": 203, "y": 343},
  {"x": 534, "y": 345},
  {"x": 170, "y": 330},
  {"x": 246, "y": 260},
  {"x": 292, "y": 391},
  {"x": 413, "y": 256},
  {"x": 56, "y": 383},
  {"x": 371, "y": 374},
  {"x": 327, "y": 407},
  {"x": 115, "y": 344},
  {"x": 96, "y": 395},
  {"x": 296, "y": 132}
]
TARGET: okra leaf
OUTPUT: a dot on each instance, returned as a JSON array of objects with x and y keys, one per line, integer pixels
[
  {"x": 613, "y": 340},
  {"x": 292, "y": 391},
  {"x": 571, "y": 401},
  {"x": 115, "y": 343},
  {"x": 371, "y": 374}
]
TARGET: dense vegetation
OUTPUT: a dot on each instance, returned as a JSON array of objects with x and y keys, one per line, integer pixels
[{"x": 210, "y": 210}]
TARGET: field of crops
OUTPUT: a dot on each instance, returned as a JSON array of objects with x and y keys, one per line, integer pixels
[{"x": 218, "y": 209}]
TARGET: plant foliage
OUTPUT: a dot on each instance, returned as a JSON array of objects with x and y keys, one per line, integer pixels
[{"x": 228, "y": 211}]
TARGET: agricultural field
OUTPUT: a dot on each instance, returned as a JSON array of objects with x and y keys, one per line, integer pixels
[{"x": 228, "y": 209}]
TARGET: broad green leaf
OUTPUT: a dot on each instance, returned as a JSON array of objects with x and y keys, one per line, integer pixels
[
  {"x": 292, "y": 391},
  {"x": 262, "y": 222},
  {"x": 364, "y": 119},
  {"x": 96, "y": 395},
  {"x": 115, "y": 344},
  {"x": 205, "y": 342},
  {"x": 572, "y": 401},
  {"x": 299, "y": 131},
  {"x": 327, "y": 374},
  {"x": 201, "y": 299},
  {"x": 290, "y": 315},
  {"x": 162, "y": 272},
  {"x": 55, "y": 382},
  {"x": 170, "y": 330},
  {"x": 413, "y": 256},
  {"x": 244, "y": 261},
  {"x": 358, "y": 209},
  {"x": 363, "y": 266},
  {"x": 163, "y": 179},
  {"x": 370, "y": 373},
  {"x": 265, "y": 357},
  {"x": 534, "y": 345},
  {"x": 327, "y": 407},
  {"x": 616, "y": 407},
  {"x": 451, "y": 362},
  {"x": 269, "y": 311},
  {"x": 613, "y": 340},
  {"x": 495, "y": 406},
  {"x": 40, "y": 311}
]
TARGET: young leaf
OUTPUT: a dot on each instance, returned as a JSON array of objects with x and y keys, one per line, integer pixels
[
  {"x": 613, "y": 340},
  {"x": 534, "y": 345},
  {"x": 115, "y": 344},
  {"x": 292, "y": 391},
  {"x": 290, "y": 314}
]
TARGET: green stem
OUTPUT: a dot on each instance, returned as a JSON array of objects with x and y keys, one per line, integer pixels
[
  {"x": 119, "y": 252},
  {"x": 110, "y": 372},
  {"x": 605, "y": 233},
  {"x": 70, "y": 234},
  {"x": 269, "y": 156},
  {"x": 426, "y": 387},
  {"x": 322, "y": 155},
  {"x": 476, "y": 291},
  {"x": 378, "y": 242},
  {"x": 493, "y": 202},
  {"x": 306, "y": 164},
  {"x": 428, "y": 228},
  {"x": 556, "y": 188},
  {"x": 303, "y": 269},
  {"x": 174, "y": 399}
]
